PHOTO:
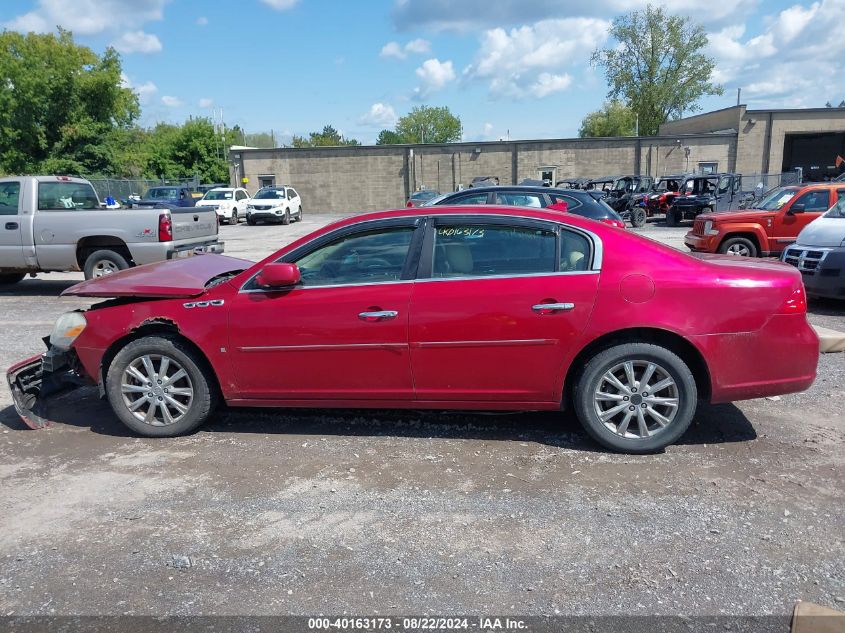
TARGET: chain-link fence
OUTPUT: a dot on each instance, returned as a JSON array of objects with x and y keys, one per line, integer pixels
[
  {"x": 122, "y": 188},
  {"x": 751, "y": 182}
]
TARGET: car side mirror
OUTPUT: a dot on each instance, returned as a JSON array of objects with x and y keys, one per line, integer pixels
[
  {"x": 278, "y": 276},
  {"x": 795, "y": 208}
]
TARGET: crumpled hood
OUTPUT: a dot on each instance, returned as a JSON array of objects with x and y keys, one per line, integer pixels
[
  {"x": 823, "y": 232},
  {"x": 174, "y": 278}
]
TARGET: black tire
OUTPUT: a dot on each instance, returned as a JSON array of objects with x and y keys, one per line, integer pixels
[
  {"x": 638, "y": 217},
  {"x": 299, "y": 215},
  {"x": 250, "y": 220},
  {"x": 234, "y": 218},
  {"x": 591, "y": 379},
  {"x": 103, "y": 262},
  {"x": 203, "y": 399},
  {"x": 671, "y": 217},
  {"x": 739, "y": 246},
  {"x": 8, "y": 279},
  {"x": 286, "y": 217}
]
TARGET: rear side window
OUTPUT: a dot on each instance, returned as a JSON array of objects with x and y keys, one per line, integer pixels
[
  {"x": 66, "y": 196},
  {"x": 10, "y": 193},
  {"x": 478, "y": 198},
  {"x": 467, "y": 250},
  {"x": 571, "y": 201},
  {"x": 574, "y": 251}
]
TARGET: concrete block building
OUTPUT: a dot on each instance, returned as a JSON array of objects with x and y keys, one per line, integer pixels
[{"x": 363, "y": 178}]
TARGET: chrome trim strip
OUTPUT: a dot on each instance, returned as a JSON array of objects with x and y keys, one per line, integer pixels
[
  {"x": 343, "y": 347},
  {"x": 530, "y": 342}
]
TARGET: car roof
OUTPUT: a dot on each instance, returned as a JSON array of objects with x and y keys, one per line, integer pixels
[{"x": 525, "y": 188}]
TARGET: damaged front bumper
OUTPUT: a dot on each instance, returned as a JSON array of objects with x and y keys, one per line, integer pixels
[{"x": 36, "y": 381}]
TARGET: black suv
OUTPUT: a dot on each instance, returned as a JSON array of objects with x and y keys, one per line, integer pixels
[{"x": 580, "y": 202}]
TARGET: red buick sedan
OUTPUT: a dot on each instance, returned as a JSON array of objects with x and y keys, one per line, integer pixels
[{"x": 489, "y": 308}]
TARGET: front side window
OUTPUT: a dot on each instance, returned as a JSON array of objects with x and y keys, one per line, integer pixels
[
  {"x": 241, "y": 195},
  {"x": 533, "y": 200},
  {"x": 66, "y": 196},
  {"x": 293, "y": 194},
  {"x": 371, "y": 257},
  {"x": 814, "y": 200},
  {"x": 470, "y": 250},
  {"x": 10, "y": 193}
]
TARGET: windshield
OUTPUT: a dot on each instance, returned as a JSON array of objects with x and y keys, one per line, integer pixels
[
  {"x": 163, "y": 193},
  {"x": 218, "y": 195},
  {"x": 837, "y": 210},
  {"x": 270, "y": 194},
  {"x": 776, "y": 198},
  {"x": 435, "y": 200}
]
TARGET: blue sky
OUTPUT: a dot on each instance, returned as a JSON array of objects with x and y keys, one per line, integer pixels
[{"x": 517, "y": 67}]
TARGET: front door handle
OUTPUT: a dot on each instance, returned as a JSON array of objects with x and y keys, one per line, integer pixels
[
  {"x": 11, "y": 226},
  {"x": 378, "y": 315},
  {"x": 549, "y": 308}
]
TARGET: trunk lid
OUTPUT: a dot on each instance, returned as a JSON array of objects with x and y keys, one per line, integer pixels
[{"x": 174, "y": 278}]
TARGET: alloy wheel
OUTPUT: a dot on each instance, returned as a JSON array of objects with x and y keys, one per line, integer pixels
[
  {"x": 636, "y": 399},
  {"x": 157, "y": 390},
  {"x": 738, "y": 249},
  {"x": 104, "y": 267}
]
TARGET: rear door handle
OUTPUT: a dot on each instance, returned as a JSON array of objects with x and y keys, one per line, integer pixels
[
  {"x": 11, "y": 226},
  {"x": 378, "y": 315},
  {"x": 548, "y": 308}
]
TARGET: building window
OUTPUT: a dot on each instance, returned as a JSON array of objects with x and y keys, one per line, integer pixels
[
  {"x": 267, "y": 181},
  {"x": 708, "y": 168}
]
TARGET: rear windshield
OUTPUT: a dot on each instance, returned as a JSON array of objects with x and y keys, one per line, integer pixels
[
  {"x": 596, "y": 210},
  {"x": 163, "y": 193},
  {"x": 776, "y": 198},
  {"x": 218, "y": 195},
  {"x": 270, "y": 194}
]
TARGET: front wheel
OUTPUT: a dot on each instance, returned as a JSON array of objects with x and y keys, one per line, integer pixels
[
  {"x": 671, "y": 217},
  {"x": 740, "y": 246},
  {"x": 635, "y": 398},
  {"x": 160, "y": 387},
  {"x": 638, "y": 217},
  {"x": 11, "y": 278},
  {"x": 234, "y": 218},
  {"x": 250, "y": 220},
  {"x": 286, "y": 217}
]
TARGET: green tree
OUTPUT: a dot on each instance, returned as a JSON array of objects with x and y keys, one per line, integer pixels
[
  {"x": 182, "y": 151},
  {"x": 388, "y": 137},
  {"x": 657, "y": 65},
  {"x": 62, "y": 106},
  {"x": 614, "y": 119},
  {"x": 327, "y": 137},
  {"x": 425, "y": 124}
]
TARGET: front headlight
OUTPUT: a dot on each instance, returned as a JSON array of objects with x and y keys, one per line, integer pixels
[
  {"x": 250, "y": 206},
  {"x": 708, "y": 228},
  {"x": 67, "y": 328}
]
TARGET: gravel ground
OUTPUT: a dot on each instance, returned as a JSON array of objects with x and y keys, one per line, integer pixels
[{"x": 382, "y": 512}]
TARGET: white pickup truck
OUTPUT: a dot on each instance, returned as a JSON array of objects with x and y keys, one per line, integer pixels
[{"x": 57, "y": 223}]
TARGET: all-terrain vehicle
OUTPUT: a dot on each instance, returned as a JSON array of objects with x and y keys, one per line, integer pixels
[
  {"x": 625, "y": 189},
  {"x": 705, "y": 193}
]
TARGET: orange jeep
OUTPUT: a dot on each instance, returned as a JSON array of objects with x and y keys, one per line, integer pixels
[{"x": 768, "y": 226}]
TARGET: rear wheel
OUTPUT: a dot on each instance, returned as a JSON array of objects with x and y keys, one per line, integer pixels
[
  {"x": 740, "y": 246},
  {"x": 635, "y": 398},
  {"x": 638, "y": 217},
  {"x": 11, "y": 278},
  {"x": 104, "y": 262},
  {"x": 159, "y": 387}
]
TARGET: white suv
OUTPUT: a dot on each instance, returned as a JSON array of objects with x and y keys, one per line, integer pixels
[
  {"x": 230, "y": 203},
  {"x": 277, "y": 204}
]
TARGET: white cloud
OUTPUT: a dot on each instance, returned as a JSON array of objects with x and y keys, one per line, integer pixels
[
  {"x": 395, "y": 50},
  {"x": 172, "y": 102},
  {"x": 434, "y": 76},
  {"x": 526, "y": 61},
  {"x": 380, "y": 115},
  {"x": 145, "y": 91},
  {"x": 280, "y": 5},
  {"x": 137, "y": 42},
  {"x": 202, "y": 21},
  {"x": 88, "y": 17},
  {"x": 548, "y": 83},
  {"x": 205, "y": 102},
  {"x": 793, "y": 62}
]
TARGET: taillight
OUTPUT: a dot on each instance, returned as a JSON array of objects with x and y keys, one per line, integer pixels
[
  {"x": 165, "y": 228},
  {"x": 409, "y": 204},
  {"x": 617, "y": 223},
  {"x": 796, "y": 303}
]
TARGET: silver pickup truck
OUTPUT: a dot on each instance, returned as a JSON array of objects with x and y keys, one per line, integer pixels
[{"x": 56, "y": 223}]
